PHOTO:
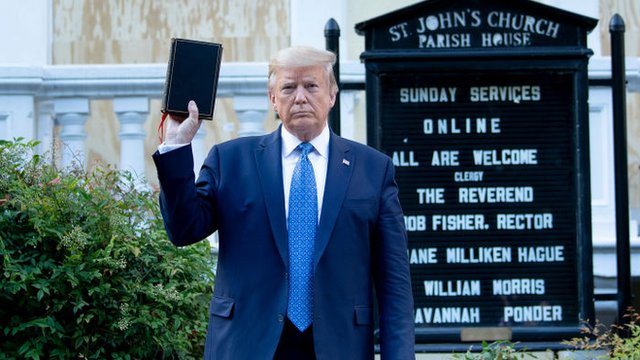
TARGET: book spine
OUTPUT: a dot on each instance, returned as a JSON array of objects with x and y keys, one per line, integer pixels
[{"x": 167, "y": 78}]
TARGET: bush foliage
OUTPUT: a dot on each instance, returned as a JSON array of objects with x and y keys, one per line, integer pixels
[
  {"x": 86, "y": 268},
  {"x": 621, "y": 342},
  {"x": 497, "y": 350}
]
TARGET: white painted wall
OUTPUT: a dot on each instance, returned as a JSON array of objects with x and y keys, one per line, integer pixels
[
  {"x": 308, "y": 20},
  {"x": 589, "y": 8},
  {"x": 26, "y": 29}
]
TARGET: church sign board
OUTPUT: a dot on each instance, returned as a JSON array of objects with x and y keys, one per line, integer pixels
[{"x": 482, "y": 105}]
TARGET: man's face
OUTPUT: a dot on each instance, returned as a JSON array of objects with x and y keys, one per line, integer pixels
[{"x": 302, "y": 97}]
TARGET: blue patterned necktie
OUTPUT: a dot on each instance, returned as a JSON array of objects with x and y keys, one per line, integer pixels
[{"x": 302, "y": 223}]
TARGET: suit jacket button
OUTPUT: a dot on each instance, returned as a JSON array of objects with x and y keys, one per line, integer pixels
[
  {"x": 280, "y": 318},
  {"x": 286, "y": 275}
]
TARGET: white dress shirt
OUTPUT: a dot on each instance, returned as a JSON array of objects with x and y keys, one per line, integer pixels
[
  {"x": 318, "y": 157},
  {"x": 163, "y": 148}
]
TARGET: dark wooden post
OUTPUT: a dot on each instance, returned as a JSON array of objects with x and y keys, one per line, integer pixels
[
  {"x": 332, "y": 38},
  {"x": 617, "y": 29}
]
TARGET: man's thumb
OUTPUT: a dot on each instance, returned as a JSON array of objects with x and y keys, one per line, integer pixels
[{"x": 193, "y": 110}]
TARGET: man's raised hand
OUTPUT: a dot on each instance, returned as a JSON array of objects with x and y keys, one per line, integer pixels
[{"x": 181, "y": 130}]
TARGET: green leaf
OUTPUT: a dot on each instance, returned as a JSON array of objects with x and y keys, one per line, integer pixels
[{"x": 79, "y": 342}]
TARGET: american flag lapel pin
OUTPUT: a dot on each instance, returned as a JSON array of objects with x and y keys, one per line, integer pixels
[{"x": 345, "y": 162}]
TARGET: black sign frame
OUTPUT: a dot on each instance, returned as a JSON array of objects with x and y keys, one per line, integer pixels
[
  {"x": 379, "y": 67},
  {"x": 421, "y": 55}
]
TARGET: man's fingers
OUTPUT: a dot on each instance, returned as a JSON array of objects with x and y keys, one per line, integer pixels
[
  {"x": 188, "y": 128},
  {"x": 181, "y": 130},
  {"x": 177, "y": 118}
]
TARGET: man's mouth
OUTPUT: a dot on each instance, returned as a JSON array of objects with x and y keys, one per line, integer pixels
[{"x": 301, "y": 114}]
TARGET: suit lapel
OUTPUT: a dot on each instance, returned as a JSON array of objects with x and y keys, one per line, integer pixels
[
  {"x": 339, "y": 170},
  {"x": 267, "y": 155}
]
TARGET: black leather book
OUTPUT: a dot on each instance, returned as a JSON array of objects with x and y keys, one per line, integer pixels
[{"x": 192, "y": 74}]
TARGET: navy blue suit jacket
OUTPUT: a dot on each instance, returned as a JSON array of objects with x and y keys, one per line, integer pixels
[{"x": 361, "y": 244}]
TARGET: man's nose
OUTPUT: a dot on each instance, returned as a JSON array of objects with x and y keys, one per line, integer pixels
[{"x": 301, "y": 96}]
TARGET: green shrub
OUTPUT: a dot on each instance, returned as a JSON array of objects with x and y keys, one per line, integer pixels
[
  {"x": 86, "y": 270},
  {"x": 497, "y": 350},
  {"x": 622, "y": 342}
]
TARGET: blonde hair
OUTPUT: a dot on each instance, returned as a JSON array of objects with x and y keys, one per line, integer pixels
[{"x": 303, "y": 56}]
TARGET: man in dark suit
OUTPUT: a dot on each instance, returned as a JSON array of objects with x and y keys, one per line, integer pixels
[{"x": 309, "y": 225}]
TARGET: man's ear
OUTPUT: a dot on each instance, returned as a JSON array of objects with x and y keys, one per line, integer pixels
[
  {"x": 272, "y": 99},
  {"x": 334, "y": 94}
]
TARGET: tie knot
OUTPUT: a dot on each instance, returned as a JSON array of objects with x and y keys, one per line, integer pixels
[{"x": 305, "y": 148}]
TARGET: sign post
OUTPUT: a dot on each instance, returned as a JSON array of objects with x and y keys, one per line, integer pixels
[{"x": 482, "y": 106}]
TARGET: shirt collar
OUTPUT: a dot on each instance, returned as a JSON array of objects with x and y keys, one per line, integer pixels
[{"x": 320, "y": 143}]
